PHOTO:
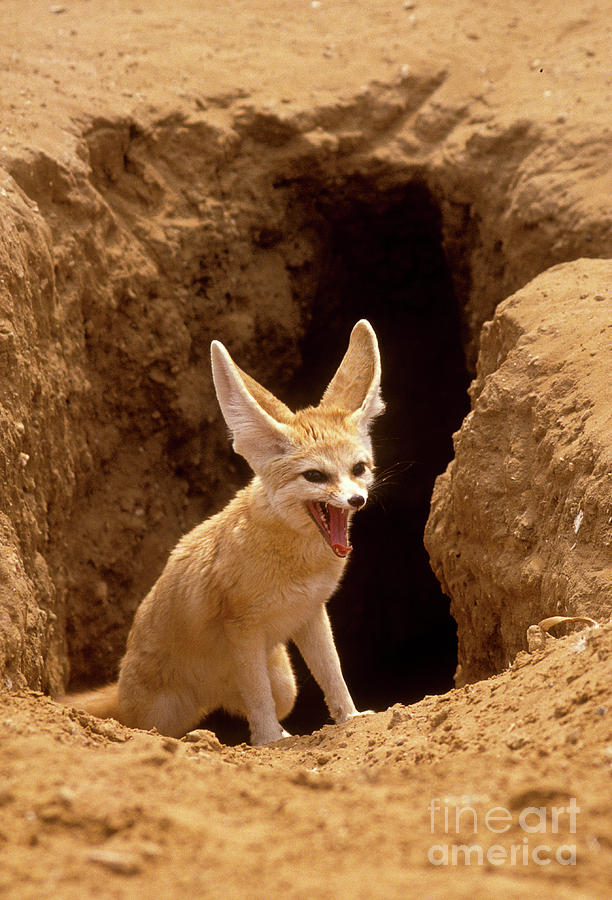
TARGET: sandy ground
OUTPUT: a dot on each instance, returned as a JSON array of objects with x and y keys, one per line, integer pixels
[
  {"x": 516, "y": 768},
  {"x": 385, "y": 806}
]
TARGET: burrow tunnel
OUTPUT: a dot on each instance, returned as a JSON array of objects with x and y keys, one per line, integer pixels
[{"x": 384, "y": 261}]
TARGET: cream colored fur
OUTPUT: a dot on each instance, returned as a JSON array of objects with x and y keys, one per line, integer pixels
[{"x": 212, "y": 631}]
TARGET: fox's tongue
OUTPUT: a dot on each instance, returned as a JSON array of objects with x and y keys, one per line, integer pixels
[{"x": 337, "y": 530}]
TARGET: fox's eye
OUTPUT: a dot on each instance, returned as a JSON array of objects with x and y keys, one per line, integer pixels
[
  {"x": 315, "y": 475},
  {"x": 358, "y": 469}
]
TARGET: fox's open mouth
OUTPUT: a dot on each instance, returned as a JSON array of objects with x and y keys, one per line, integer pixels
[{"x": 332, "y": 522}]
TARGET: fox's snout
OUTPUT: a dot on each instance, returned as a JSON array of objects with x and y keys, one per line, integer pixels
[
  {"x": 350, "y": 499},
  {"x": 349, "y": 494}
]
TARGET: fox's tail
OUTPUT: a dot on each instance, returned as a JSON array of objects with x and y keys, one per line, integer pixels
[{"x": 102, "y": 702}]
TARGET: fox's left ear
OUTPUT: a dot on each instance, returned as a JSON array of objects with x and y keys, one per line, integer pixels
[
  {"x": 257, "y": 421},
  {"x": 356, "y": 384}
]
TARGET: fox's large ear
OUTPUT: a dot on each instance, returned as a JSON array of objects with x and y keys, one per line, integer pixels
[
  {"x": 356, "y": 384},
  {"x": 257, "y": 421}
]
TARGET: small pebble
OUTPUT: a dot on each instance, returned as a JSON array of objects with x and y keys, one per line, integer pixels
[{"x": 116, "y": 861}]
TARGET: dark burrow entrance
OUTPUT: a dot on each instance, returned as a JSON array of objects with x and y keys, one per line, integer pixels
[{"x": 385, "y": 261}]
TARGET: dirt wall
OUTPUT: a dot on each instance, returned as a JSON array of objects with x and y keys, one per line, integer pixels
[
  {"x": 521, "y": 522},
  {"x": 137, "y": 231},
  {"x": 142, "y": 235}
]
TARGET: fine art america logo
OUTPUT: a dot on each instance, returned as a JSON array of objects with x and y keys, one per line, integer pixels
[{"x": 532, "y": 842}]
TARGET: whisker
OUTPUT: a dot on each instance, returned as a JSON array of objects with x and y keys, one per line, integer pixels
[
  {"x": 389, "y": 474},
  {"x": 386, "y": 478}
]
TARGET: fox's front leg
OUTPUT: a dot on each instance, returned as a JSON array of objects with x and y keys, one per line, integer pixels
[
  {"x": 315, "y": 642},
  {"x": 249, "y": 654}
]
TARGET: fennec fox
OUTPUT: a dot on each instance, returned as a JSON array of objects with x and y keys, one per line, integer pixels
[{"x": 212, "y": 631}]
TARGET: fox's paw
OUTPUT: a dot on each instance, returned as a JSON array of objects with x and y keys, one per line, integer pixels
[{"x": 269, "y": 736}]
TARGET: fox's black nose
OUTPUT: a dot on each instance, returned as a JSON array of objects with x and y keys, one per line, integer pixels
[{"x": 357, "y": 501}]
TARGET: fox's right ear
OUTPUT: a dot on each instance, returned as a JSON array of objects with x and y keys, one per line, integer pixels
[{"x": 258, "y": 433}]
